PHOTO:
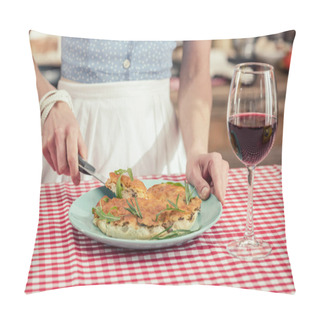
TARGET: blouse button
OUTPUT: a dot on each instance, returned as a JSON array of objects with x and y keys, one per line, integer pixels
[{"x": 126, "y": 63}]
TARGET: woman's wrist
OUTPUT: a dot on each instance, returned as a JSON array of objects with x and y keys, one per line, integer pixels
[
  {"x": 50, "y": 99},
  {"x": 194, "y": 152}
]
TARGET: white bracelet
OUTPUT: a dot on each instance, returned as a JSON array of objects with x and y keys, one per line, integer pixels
[
  {"x": 49, "y": 99},
  {"x": 45, "y": 97}
]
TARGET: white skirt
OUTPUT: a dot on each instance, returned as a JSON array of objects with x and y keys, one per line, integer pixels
[{"x": 126, "y": 125}]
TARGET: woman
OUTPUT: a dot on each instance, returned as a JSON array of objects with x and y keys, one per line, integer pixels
[{"x": 122, "y": 115}]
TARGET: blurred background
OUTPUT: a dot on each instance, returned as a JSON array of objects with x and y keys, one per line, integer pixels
[{"x": 225, "y": 54}]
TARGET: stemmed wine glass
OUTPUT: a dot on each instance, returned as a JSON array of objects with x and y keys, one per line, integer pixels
[{"x": 252, "y": 123}]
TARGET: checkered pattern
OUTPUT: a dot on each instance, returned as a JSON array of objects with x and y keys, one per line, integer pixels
[{"x": 64, "y": 257}]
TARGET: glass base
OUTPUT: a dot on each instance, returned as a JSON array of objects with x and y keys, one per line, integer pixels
[{"x": 249, "y": 250}]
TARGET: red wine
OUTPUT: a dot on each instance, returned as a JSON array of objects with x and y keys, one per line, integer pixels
[{"x": 252, "y": 136}]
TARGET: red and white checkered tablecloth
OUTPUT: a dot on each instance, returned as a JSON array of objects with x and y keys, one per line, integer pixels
[{"x": 64, "y": 257}]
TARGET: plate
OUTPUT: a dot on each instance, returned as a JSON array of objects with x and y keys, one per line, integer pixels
[{"x": 81, "y": 218}]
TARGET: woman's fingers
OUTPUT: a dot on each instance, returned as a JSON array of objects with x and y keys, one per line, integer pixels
[
  {"x": 61, "y": 154},
  {"x": 225, "y": 170},
  {"x": 72, "y": 155},
  {"x": 61, "y": 140},
  {"x": 51, "y": 147},
  {"x": 209, "y": 173},
  {"x": 47, "y": 155},
  {"x": 218, "y": 170},
  {"x": 82, "y": 148},
  {"x": 194, "y": 177}
]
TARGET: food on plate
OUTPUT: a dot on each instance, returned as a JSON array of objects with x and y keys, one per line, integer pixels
[
  {"x": 125, "y": 186},
  {"x": 163, "y": 211},
  {"x": 174, "y": 195}
]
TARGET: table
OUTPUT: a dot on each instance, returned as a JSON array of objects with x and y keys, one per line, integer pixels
[{"x": 64, "y": 257}]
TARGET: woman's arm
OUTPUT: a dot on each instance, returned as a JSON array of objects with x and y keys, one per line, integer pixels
[
  {"x": 195, "y": 97},
  {"x": 206, "y": 171},
  {"x": 43, "y": 85},
  {"x": 61, "y": 137}
]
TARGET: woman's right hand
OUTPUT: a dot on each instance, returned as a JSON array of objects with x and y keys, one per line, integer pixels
[{"x": 62, "y": 141}]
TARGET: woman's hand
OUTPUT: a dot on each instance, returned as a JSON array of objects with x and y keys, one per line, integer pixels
[
  {"x": 208, "y": 173},
  {"x": 62, "y": 141}
]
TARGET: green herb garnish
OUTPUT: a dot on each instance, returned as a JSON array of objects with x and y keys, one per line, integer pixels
[
  {"x": 189, "y": 194},
  {"x": 174, "y": 207},
  {"x": 122, "y": 171},
  {"x": 160, "y": 233},
  {"x": 135, "y": 210},
  {"x": 106, "y": 199},
  {"x": 178, "y": 184},
  {"x": 172, "y": 234},
  {"x": 109, "y": 216},
  {"x": 119, "y": 186}
]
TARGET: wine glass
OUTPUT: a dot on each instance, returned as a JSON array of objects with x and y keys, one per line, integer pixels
[{"x": 252, "y": 124}]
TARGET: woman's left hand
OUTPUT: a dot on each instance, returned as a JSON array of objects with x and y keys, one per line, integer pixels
[{"x": 208, "y": 173}]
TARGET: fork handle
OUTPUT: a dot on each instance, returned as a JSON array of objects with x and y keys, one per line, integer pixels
[{"x": 85, "y": 164}]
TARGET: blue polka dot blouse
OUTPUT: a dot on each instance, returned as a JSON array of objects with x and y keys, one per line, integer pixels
[{"x": 97, "y": 61}]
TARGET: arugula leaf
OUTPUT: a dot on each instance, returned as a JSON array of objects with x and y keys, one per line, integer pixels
[
  {"x": 119, "y": 186},
  {"x": 129, "y": 171},
  {"x": 160, "y": 233},
  {"x": 175, "y": 184},
  {"x": 158, "y": 214},
  {"x": 138, "y": 208},
  {"x": 174, "y": 206},
  {"x": 189, "y": 194},
  {"x": 172, "y": 234},
  {"x": 120, "y": 171},
  {"x": 109, "y": 216},
  {"x": 168, "y": 208},
  {"x": 134, "y": 210}
]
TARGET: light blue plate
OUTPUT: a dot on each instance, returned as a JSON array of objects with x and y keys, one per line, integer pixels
[{"x": 81, "y": 218}]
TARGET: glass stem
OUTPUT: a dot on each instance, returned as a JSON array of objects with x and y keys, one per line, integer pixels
[{"x": 249, "y": 233}]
